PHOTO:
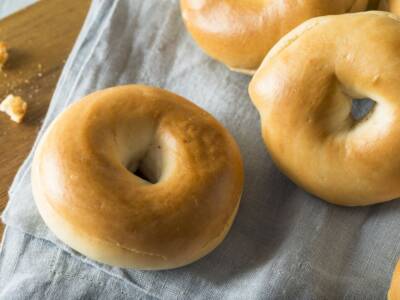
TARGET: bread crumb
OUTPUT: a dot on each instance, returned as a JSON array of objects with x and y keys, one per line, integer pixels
[
  {"x": 15, "y": 107},
  {"x": 3, "y": 54}
]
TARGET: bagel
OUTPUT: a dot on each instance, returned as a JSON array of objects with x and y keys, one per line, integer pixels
[
  {"x": 240, "y": 33},
  {"x": 303, "y": 92},
  {"x": 394, "y": 290},
  {"x": 138, "y": 177}
]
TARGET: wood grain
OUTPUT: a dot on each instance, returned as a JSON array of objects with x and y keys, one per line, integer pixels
[{"x": 39, "y": 38}]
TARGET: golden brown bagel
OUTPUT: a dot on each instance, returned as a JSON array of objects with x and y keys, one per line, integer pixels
[
  {"x": 304, "y": 90},
  {"x": 394, "y": 290},
  {"x": 390, "y": 5},
  {"x": 91, "y": 201},
  {"x": 239, "y": 33}
]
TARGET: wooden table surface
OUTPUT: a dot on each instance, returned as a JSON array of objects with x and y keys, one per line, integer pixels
[{"x": 39, "y": 38}]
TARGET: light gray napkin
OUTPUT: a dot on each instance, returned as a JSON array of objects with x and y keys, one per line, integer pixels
[
  {"x": 284, "y": 244},
  {"x": 8, "y": 7}
]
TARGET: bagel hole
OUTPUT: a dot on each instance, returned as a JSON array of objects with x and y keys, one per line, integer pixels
[
  {"x": 362, "y": 108},
  {"x": 148, "y": 168},
  {"x": 139, "y": 173}
]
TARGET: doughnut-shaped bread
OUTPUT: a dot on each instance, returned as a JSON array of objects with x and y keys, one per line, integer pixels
[
  {"x": 239, "y": 33},
  {"x": 394, "y": 290},
  {"x": 138, "y": 177},
  {"x": 304, "y": 90}
]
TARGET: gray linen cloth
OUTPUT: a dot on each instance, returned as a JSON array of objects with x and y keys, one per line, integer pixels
[
  {"x": 8, "y": 7},
  {"x": 284, "y": 244}
]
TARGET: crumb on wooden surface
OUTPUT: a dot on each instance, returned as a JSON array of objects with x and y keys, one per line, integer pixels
[
  {"x": 15, "y": 107},
  {"x": 3, "y": 54}
]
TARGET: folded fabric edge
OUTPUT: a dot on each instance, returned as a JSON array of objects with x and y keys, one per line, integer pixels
[{"x": 74, "y": 255}]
